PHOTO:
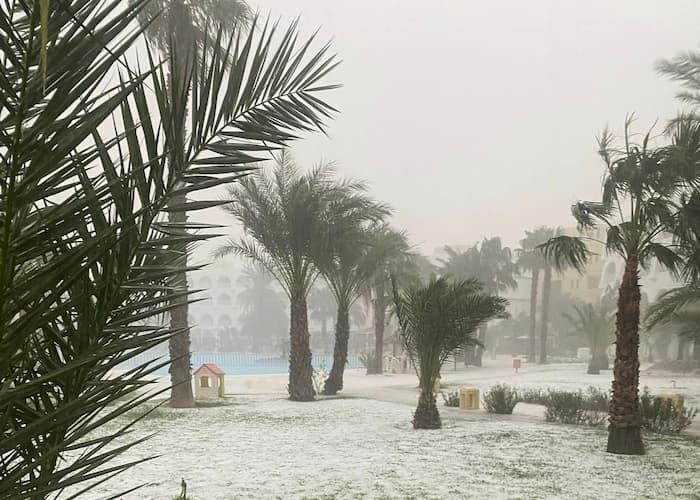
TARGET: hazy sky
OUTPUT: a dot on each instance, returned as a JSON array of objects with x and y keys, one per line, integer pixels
[{"x": 475, "y": 118}]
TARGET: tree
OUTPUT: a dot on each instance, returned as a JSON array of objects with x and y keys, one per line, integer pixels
[
  {"x": 596, "y": 326},
  {"x": 388, "y": 255},
  {"x": 437, "y": 319},
  {"x": 87, "y": 254},
  {"x": 529, "y": 260},
  {"x": 636, "y": 207},
  {"x": 323, "y": 307},
  {"x": 190, "y": 21},
  {"x": 491, "y": 264},
  {"x": 544, "y": 234},
  {"x": 347, "y": 270},
  {"x": 679, "y": 308},
  {"x": 263, "y": 318},
  {"x": 290, "y": 220}
]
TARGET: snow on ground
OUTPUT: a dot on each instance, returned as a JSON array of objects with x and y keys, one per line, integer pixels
[{"x": 362, "y": 445}]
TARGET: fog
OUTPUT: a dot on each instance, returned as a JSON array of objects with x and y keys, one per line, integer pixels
[{"x": 476, "y": 119}]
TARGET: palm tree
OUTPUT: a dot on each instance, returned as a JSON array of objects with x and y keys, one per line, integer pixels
[
  {"x": 596, "y": 325},
  {"x": 530, "y": 259},
  {"x": 290, "y": 220},
  {"x": 636, "y": 207},
  {"x": 323, "y": 307},
  {"x": 190, "y": 21},
  {"x": 347, "y": 271},
  {"x": 389, "y": 254},
  {"x": 544, "y": 234},
  {"x": 491, "y": 264},
  {"x": 436, "y": 320},
  {"x": 264, "y": 316},
  {"x": 87, "y": 254},
  {"x": 680, "y": 308}
]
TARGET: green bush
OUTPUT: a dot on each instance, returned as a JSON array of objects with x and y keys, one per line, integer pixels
[
  {"x": 367, "y": 360},
  {"x": 579, "y": 408},
  {"x": 501, "y": 399},
  {"x": 659, "y": 414},
  {"x": 452, "y": 399}
]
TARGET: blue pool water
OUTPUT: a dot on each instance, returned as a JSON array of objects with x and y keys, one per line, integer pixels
[{"x": 234, "y": 363}]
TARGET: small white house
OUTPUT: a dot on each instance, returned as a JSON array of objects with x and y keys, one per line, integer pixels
[{"x": 208, "y": 382}]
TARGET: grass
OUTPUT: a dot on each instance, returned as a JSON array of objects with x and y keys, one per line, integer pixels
[{"x": 265, "y": 447}]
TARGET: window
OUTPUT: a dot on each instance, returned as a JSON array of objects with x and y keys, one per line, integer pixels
[{"x": 204, "y": 382}]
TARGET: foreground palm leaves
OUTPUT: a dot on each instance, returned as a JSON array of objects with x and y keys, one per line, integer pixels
[
  {"x": 87, "y": 256},
  {"x": 437, "y": 320}
]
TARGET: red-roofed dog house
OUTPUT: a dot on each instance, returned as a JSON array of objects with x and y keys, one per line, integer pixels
[{"x": 208, "y": 382}]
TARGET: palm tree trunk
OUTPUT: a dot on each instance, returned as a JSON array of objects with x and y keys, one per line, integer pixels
[
  {"x": 426, "y": 415},
  {"x": 479, "y": 351},
  {"x": 603, "y": 360},
  {"x": 624, "y": 432},
  {"x": 179, "y": 344},
  {"x": 546, "y": 293},
  {"x": 301, "y": 386},
  {"x": 681, "y": 349},
  {"x": 531, "y": 355},
  {"x": 379, "y": 322},
  {"x": 334, "y": 382}
]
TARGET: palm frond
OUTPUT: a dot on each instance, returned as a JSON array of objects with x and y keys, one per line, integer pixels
[
  {"x": 672, "y": 302},
  {"x": 565, "y": 251}
]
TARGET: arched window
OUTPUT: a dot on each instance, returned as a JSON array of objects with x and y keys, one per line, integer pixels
[
  {"x": 223, "y": 282},
  {"x": 224, "y": 299}
]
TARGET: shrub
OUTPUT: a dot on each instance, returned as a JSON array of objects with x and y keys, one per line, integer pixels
[
  {"x": 661, "y": 416},
  {"x": 451, "y": 399},
  {"x": 579, "y": 408},
  {"x": 501, "y": 399},
  {"x": 367, "y": 360}
]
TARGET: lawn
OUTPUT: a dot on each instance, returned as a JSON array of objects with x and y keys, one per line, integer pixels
[{"x": 263, "y": 446}]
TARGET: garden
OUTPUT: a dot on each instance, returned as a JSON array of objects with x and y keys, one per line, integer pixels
[{"x": 135, "y": 133}]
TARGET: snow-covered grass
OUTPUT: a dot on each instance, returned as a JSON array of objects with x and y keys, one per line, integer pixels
[
  {"x": 363, "y": 446},
  {"x": 352, "y": 448}
]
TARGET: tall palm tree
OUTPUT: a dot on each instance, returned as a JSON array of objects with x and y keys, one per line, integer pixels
[
  {"x": 530, "y": 259},
  {"x": 596, "y": 325},
  {"x": 347, "y": 271},
  {"x": 544, "y": 234},
  {"x": 491, "y": 264},
  {"x": 636, "y": 207},
  {"x": 87, "y": 254},
  {"x": 178, "y": 29},
  {"x": 290, "y": 220},
  {"x": 389, "y": 254},
  {"x": 436, "y": 320}
]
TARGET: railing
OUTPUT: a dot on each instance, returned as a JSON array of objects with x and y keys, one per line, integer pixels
[{"x": 237, "y": 363}]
